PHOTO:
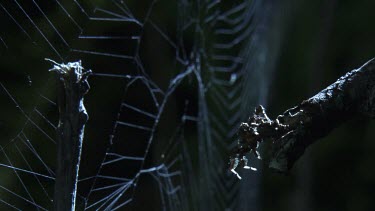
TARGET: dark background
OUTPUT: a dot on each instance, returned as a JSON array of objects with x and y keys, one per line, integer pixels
[{"x": 310, "y": 43}]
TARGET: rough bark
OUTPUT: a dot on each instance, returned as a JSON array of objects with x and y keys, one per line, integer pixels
[
  {"x": 298, "y": 127},
  {"x": 72, "y": 85}
]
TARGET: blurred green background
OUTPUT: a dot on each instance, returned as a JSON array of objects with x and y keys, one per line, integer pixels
[{"x": 309, "y": 44}]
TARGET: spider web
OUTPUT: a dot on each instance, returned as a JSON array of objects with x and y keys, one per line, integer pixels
[{"x": 160, "y": 129}]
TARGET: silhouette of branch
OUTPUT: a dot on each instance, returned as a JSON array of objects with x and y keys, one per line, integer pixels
[
  {"x": 72, "y": 86},
  {"x": 298, "y": 127}
]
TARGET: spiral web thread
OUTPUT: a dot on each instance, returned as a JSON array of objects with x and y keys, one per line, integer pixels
[{"x": 156, "y": 151}]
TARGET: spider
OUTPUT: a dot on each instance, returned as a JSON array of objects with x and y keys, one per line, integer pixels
[{"x": 249, "y": 139}]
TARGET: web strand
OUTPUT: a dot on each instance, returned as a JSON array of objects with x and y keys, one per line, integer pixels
[{"x": 172, "y": 120}]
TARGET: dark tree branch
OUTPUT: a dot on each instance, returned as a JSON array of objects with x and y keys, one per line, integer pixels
[
  {"x": 292, "y": 132},
  {"x": 72, "y": 86}
]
